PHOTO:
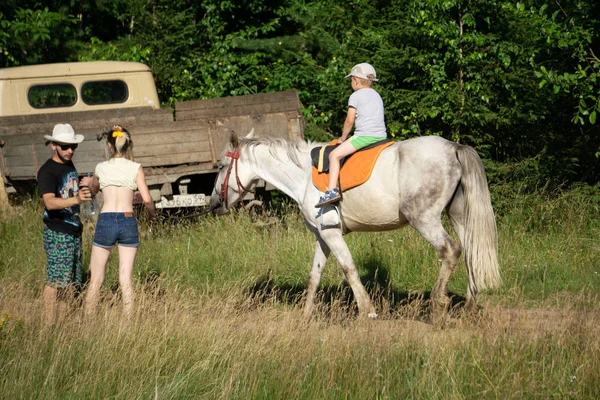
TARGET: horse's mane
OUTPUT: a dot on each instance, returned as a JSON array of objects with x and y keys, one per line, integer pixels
[{"x": 295, "y": 151}]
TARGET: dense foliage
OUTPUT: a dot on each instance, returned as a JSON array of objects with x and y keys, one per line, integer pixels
[{"x": 518, "y": 80}]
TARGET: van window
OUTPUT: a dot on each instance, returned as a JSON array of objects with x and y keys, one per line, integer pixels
[
  {"x": 104, "y": 92},
  {"x": 52, "y": 95}
]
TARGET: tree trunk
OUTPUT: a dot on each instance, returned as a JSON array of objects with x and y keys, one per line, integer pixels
[
  {"x": 4, "y": 204},
  {"x": 461, "y": 83}
]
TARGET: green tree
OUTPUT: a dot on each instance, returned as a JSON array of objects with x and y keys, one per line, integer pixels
[
  {"x": 31, "y": 36},
  {"x": 518, "y": 80},
  {"x": 560, "y": 39}
]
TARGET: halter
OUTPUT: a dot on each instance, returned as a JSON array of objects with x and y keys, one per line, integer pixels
[{"x": 235, "y": 156}]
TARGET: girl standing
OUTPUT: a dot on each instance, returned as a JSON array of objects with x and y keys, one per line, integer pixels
[{"x": 117, "y": 178}]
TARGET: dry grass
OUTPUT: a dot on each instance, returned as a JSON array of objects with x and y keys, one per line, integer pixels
[
  {"x": 180, "y": 345},
  {"x": 218, "y": 316}
]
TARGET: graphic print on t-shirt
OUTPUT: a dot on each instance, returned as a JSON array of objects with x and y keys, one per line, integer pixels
[{"x": 68, "y": 186}]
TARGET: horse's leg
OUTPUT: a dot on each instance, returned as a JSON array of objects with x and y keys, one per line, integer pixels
[
  {"x": 430, "y": 227},
  {"x": 339, "y": 248},
  {"x": 456, "y": 212},
  {"x": 320, "y": 258}
]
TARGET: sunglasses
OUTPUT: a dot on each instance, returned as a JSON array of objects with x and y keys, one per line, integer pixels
[{"x": 65, "y": 147}]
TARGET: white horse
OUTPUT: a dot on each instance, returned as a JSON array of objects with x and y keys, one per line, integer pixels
[{"x": 412, "y": 183}]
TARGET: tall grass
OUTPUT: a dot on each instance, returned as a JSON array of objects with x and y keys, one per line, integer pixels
[{"x": 218, "y": 314}]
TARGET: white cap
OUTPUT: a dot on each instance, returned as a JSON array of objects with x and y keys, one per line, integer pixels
[
  {"x": 64, "y": 133},
  {"x": 364, "y": 71}
]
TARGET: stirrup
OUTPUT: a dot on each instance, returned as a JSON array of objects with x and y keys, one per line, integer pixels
[{"x": 329, "y": 217}]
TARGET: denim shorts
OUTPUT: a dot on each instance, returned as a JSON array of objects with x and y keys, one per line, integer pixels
[{"x": 114, "y": 228}]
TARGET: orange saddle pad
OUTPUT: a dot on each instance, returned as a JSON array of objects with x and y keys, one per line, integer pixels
[{"x": 356, "y": 170}]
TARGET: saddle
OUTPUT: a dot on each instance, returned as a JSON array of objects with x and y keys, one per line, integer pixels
[{"x": 355, "y": 169}]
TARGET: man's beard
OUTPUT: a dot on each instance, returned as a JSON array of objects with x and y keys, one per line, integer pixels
[{"x": 63, "y": 159}]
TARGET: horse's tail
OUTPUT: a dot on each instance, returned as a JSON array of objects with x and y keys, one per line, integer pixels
[{"x": 480, "y": 238}]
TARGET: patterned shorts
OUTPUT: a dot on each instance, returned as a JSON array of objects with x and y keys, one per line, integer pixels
[{"x": 63, "y": 259}]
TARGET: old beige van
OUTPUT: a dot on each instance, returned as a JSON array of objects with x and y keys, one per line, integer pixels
[
  {"x": 74, "y": 87},
  {"x": 179, "y": 148}
]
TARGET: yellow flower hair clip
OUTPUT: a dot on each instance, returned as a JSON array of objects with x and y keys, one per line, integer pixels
[{"x": 117, "y": 133}]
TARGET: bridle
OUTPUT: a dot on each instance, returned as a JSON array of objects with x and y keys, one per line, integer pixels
[{"x": 235, "y": 156}]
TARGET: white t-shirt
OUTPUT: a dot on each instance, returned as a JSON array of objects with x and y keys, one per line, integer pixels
[
  {"x": 118, "y": 172},
  {"x": 369, "y": 119}
]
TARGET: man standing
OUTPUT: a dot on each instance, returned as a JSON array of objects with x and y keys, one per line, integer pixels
[{"x": 59, "y": 189}]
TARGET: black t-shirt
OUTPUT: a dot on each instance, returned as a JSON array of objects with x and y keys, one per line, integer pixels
[{"x": 62, "y": 181}]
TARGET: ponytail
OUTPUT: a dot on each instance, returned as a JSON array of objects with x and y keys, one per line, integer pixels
[{"x": 120, "y": 140}]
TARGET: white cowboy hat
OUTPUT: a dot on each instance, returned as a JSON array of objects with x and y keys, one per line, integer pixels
[
  {"x": 64, "y": 133},
  {"x": 364, "y": 71}
]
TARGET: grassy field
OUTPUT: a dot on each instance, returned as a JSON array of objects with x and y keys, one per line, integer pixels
[{"x": 218, "y": 314}]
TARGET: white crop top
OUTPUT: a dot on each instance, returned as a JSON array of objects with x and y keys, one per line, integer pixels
[{"x": 118, "y": 172}]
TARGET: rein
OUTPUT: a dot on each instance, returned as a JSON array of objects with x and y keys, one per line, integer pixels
[{"x": 235, "y": 156}]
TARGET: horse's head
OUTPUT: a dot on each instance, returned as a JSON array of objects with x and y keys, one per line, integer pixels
[{"x": 233, "y": 179}]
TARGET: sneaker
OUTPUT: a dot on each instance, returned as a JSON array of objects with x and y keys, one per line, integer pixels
[{"x": 330, "y": 197}]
